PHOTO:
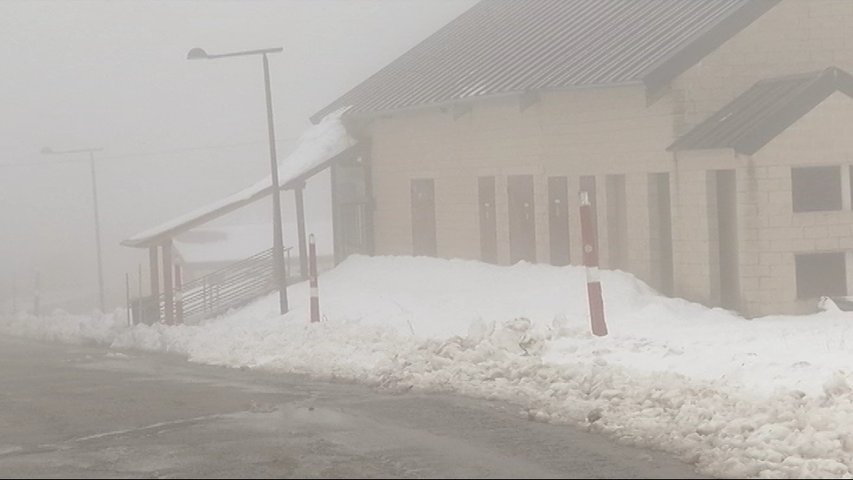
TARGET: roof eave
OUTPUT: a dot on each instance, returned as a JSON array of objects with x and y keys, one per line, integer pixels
[
  {"x": 298, "y": 182},
  {"x": 372, "y": 114},
  {"x": 729, "y": 148}
]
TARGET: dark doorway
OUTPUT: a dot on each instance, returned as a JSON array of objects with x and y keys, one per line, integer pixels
[
  {"x": 423, "y": 217},
  {"x": 558, "y": 220},
  {"x": 522, "y": 222},
  {"x": 617, "y": 222},
  {"x": 660, "y": 213},
  {"x": 727, "y": 238},
  {"x": 488, "y": 221},
  {"x": 587, "y": 184},
  {"x": 352, "y": 215}
]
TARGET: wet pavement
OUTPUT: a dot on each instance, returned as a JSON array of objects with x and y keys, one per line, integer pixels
[{"x": 80, "y": 411}]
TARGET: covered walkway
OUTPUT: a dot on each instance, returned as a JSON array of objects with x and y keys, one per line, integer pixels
[{"x": 321, "y": 146}]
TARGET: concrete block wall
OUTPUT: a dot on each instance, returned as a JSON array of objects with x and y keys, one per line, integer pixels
[
  {"x": 589, "y": 132},
  {"x": 795, "y": 36},
  {"x": 771, "y": 232},
  {"x": 615, "y": 131}
]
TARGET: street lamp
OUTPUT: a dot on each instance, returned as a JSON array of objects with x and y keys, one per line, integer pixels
[
  {"x": 278, "y": 240},
  {"x": 91, "y": 152}
]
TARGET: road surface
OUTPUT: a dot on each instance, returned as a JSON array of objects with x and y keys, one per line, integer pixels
[{"x": 72, "y": 411}]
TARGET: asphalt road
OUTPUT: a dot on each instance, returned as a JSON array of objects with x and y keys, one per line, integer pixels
[{"x": 68, "y": 411}]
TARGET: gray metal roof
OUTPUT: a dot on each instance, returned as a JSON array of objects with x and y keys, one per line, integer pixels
[
  {"x": 764, "y": 111},
  {"x": 515, "y": 46}
]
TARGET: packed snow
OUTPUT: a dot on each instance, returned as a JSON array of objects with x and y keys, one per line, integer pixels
[{"x": 766, "y": 398}]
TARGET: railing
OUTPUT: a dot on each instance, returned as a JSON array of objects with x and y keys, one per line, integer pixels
[{"x": 220, "y": 291}]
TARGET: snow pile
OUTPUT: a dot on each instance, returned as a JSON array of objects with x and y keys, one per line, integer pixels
[
  {"x": 769, "y": 397},
  {"x": 61, "y": 326}
]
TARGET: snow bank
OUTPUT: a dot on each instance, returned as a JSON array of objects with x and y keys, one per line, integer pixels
[{"x": 769, "y": 397}]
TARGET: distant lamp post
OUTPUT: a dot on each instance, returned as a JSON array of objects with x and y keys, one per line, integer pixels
[
  {"x": 91, "y": 152},
  {"x": 278, "y": 240}
]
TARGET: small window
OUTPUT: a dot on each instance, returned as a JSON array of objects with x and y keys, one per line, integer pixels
[
  {"x": 816, "y": 189},
  {"x": 821, "y": 274}
]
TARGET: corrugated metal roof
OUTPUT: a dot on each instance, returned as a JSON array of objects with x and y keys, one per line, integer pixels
[
  {"x": 764, "y": 111},
  {"x": 509, "y": 46}
]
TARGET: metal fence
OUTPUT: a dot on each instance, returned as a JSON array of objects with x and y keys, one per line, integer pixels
[{"x": 217, "y": 292}]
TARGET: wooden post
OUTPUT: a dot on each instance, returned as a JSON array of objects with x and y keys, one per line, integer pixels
[
  {"x": 179, "y": 296},
  {"x": 154, "y": 279},
  {"x": 154, "y": 271},
  {"x": 590, "y": 261},
  {"x": 300, "y": 226},
  {"x": 168, "y": 290}
]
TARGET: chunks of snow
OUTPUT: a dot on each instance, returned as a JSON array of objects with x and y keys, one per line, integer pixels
[{"x": 768, "y": 397}]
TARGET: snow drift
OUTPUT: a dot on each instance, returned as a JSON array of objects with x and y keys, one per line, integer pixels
[{"x": 768, "y": 397}]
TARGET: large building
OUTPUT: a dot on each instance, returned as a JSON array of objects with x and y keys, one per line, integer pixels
[{"x": 714, "y": 136}]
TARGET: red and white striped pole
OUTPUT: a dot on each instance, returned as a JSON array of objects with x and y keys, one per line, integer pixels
[
  {"x": 315, "y": 292},
  {"x": 590, "y": 261}
]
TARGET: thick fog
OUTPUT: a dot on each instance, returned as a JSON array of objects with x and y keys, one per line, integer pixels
[{"x": 175, "y": 134}]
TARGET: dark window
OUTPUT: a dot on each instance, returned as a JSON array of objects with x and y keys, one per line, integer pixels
[
  {"x": 816, "y": 189},
  {"x": 821, "y": 274}
]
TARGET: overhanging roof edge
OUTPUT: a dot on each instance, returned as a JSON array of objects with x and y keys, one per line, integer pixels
[
  {"x": 367, "y": 114},
  {"x": 215, "y": 212}
]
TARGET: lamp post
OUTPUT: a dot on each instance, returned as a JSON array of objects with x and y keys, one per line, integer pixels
[
  {"x": 278, "y": 240},
  {"x": 91, "y": 152}
]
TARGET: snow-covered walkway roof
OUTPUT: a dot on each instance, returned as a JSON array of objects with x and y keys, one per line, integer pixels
[
  {"x": 226, "y": 244},
  {"x": 320, "y": 145}
]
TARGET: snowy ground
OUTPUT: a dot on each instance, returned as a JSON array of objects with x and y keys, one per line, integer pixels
[{"x": 768, "y": 397}]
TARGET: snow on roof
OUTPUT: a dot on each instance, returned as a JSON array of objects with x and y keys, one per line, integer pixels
[
  {"x": 317, "y": 145},
  {"x": 230, "y": 243},
  {"x": 233, "y": 243}
]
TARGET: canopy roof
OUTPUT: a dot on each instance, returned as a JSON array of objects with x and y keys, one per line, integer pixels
[{"x": 320, "y": 146}]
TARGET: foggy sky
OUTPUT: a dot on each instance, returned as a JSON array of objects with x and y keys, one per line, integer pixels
[{"x": 176, "y": 133}]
